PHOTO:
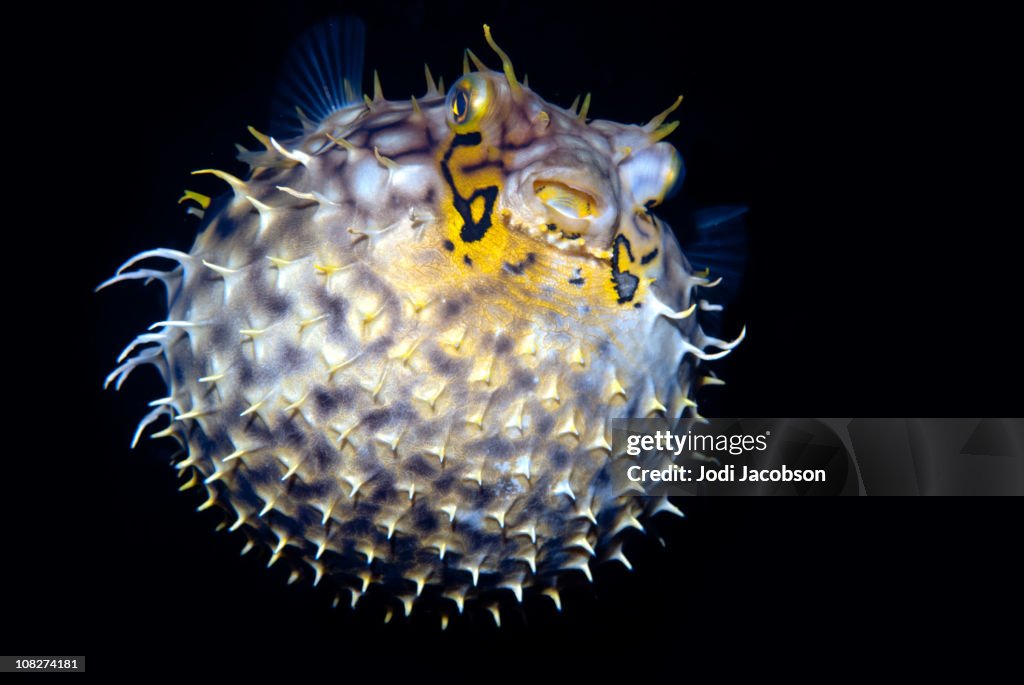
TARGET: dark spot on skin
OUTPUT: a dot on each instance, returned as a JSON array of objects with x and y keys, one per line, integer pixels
[
  {"x": 379, "y": 346},
  {"x": 292, "y": 357},
  {"x": 444, "y": 482},
  {"x": 360, "y": 526},
  {"x": 430, "y": 197},
  {"x": 275, "y": 305},
  {"x": 383, "y": 488},
  {"x": 223, "y": 225},
  {"x": 257, "y": 429},
  {"x": 476, "y": 539},
  {"x": 544, "y": 424},
  {"x": 552, "y": 227},
  {"x": 571, "y": 236},
  {"x": 425, "y": 520},
  {"x": 494, "y": 447},
  {"x": 323, "y": 453},
  {"x": 503, "y": 344},
  {"x": 378, "y": 418},
  {"x": 288, "y": 433},
  {"x": 449, "y": 245},
  {"x": 221, "y": 335},
  {"x": 421, "y": 466},
  {"x": 577, "y": 279},
  {"x": 334, "y": 307},
  {"x": 482, "y": 497},
  {"x": 386, "y": 416},
  {"x": 445, "y": 365},
  {"x": 519, "y": 267},
  {"x": 261, "y": 473},
  {"x": 246, "y": 374},
  {"x": 467, "y": 260},
  {"x": 646, "y": 259},
  {"x": 329, "y": 400},
  {"x": 451, "y": 308},
  {"x": 258, "y": 287},
  {"x": 559, "y": 457},
  {"x": 637, "y": 305},
  {"x": 179, "y": 375},
  {"x": 523, "y": 379},
  {"x": 242, "y": 489},
  {"x": 308, "y": 491}
]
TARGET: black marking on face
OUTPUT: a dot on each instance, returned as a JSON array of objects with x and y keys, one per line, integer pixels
[
  {"x": 620, "y": 241},
  {"x": 519, "y": 267},
  {"x": 512, "y": 147},
  {"x": 449, "y": 245},
  {"x": 637, "y": 305},
  {"x": 577, "y": 277},
  {"x": 486, "y": 164},
  {"x": 625, "y": 282},
  {"x": 467, "y": 259},
  {"x": 646, "y": 259},
  {"x": 472, "y": 230},
  {"x": 552, "y": 227},
  {"x": 625, "y": 286}
]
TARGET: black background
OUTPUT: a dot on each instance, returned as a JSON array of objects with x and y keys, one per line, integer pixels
[{"x": 865, "y": 295}]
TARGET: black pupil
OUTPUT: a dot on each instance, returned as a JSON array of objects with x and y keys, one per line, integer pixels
[{"x": 461, "y": 104}]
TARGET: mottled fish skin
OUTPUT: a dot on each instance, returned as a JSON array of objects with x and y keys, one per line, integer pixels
[{"x": 393, "y": 363}]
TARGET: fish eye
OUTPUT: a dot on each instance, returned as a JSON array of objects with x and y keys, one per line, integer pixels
[
  {"x": 467, "y": 101},
  {"x": 460, "y": 107}
]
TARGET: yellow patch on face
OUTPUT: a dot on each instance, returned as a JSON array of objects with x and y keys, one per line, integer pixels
[{"x": 477, "y": 208}]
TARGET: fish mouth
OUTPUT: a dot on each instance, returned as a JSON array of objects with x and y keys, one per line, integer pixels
[{"x": 570, "y": 201}]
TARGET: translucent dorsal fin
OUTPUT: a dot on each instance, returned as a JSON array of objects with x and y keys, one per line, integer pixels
[{"x": 323, "y": 69}]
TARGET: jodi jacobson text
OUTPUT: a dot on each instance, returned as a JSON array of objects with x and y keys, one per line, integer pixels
[{"x": 726, "y": 474}]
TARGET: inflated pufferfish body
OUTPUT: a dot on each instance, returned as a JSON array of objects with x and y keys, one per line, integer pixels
[{"x": 394, "y": 352}]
